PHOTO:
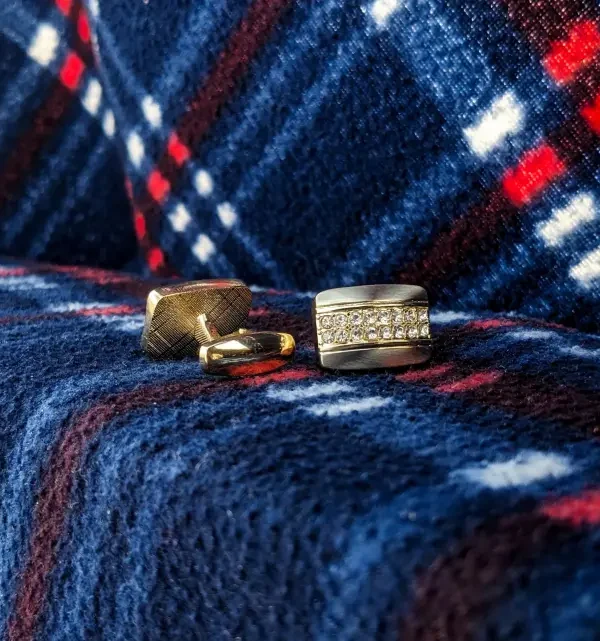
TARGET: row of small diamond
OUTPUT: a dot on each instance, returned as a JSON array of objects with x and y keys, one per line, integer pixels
[{"x": 373, "y": 325}]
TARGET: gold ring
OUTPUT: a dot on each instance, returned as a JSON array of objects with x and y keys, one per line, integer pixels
[
  {"x": 247, "y": 353},
  {"x": 372, "y": 326}
]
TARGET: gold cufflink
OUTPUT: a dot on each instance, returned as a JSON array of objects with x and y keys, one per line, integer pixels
[
  {"x": 171, "y": 313},
  {"x": 247, "y": 353},
  {"x": 204, "y": 318},
  {"x": 372, "y": 326}
]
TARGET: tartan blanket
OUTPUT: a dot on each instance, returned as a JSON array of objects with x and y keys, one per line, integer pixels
[
  {"x": 143, "y": 500},
  {"x": 300, "y": 145},
  {"x": 295, "y": 144}
]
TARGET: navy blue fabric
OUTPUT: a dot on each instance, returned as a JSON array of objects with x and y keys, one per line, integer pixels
[
  {"x": 455, "y": 500},
  {"x": 62, "y": 194},
  {"x": 298, "y": 146}
]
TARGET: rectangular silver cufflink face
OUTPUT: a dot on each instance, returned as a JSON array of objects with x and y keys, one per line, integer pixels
[{"x": 372, "y": 326}]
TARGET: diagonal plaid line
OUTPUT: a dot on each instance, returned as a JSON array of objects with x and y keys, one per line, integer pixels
[
  {"x": 452, "y": 598},
  {"x": 250, "y": 36},
  {"x": 80, "y": 34},
  {"x": 52, "y": 506},
  {"x": 26, "y": 151},
  {"x": 44, "y": 183},
  {"x": 203, "y": 110},
  {"x": 481, "y": 226},
  {"x": 544, "y": 26},
  {"x": 545, "y": 22},
  {"x": 45, "y": 121},
  {"x": 94, "y": 163}
]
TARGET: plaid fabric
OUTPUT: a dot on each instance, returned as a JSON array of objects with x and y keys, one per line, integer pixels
[
  {"x": 300, "y": 145},
  {"x": 449, "y": 143},
  {"x": 142, "y": 500},
  {"x": 62, "y": 195}
]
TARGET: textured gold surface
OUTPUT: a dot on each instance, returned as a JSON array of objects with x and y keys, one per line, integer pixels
[
  {"x": 372, "y": 326},
  {"x": 247, "y": 353},
  {"x": 172, "y": 312}
]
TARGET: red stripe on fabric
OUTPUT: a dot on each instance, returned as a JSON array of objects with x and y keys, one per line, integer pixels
[
  {"x": 544, "y": 23},
  {"x": 114, "y": 310},
  {"x": 6, "y": 272},
  {"x": 98, "y": 276},
  {"x": 28, "y": 147},
  {"x": 71, "y": 71},
  {"x": 155, "y": 258},
  {"x": 283, "y": 376},
  {"x": 83, "y": 28},
  {"x": 493, "y": 323},
  {"x": 49, "y": 115},
  {"x": 177, "y": 150},
  {"x": 572, "y": 141},
  {"x": 278, "y": 292},
  {"x": 158, "y": 187},
  {"x": 203, "y": 110},
  {"x": 591, "y": 114},
  {"x": 80, "y": 35},
  {"x": 470, "y": 382},
  {"x": 468, "y": 231},
  {"x": 119, "y": 282},
  {"x": 231, "y": 65},
  {"x": 139, "y": 223},
  {"x": 536, "y": 169},
  {"x": 542, "y": 398},
  {"x": 576, "y": 510},
  {"x": 425, "y": 374},
  {"x": 64, "y": 6},
  {"x": 52, "y": 505},
  {"x": 481, "y": 227},
  {"x": 455, "y": 597},
  {"x": 259, "y": 311},
  {"x": 567, "y": 57}
]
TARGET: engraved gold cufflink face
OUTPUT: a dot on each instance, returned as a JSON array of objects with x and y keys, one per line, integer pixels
[
  {"x": 172, "y": 312},
  {"x": 372, "y": 326},
  {"x": 203, "y": 318}
]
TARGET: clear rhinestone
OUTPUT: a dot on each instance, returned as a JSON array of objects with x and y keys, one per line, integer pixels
[
  {"x": 384, "y": 316},
  {"x": 355, "y": 318},
  {"x": 327, "y": 337},
  {"x": 424, "y": 331},
  {"x": 341, "y": 320},
  {"x": 422, "y": 314},
  {"x": 411, "y": 315},
  {"x": 341, "y": 336},
  {"x": 385, "y": 333},
  {"x": 371, "y": 317},
  {"x": 356, "y": 336},
  {"x": 372, "y": 333},
  {"x": 413, "y": 332},
  {"x": 400, "y": 332},
  {"x": 398, "y": 315},
  {"x": 327, "y": 322}
]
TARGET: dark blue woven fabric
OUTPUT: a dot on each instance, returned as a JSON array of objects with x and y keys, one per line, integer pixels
[
  {"x": 300, "y": 145},
  {"x": 303, "y": 145},
  {"x": 142, "y": 500}
]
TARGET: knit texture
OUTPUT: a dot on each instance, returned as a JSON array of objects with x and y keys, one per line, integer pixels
[
  {"x": 458, "y": 500},
  {"x": 450, "y": 143}
]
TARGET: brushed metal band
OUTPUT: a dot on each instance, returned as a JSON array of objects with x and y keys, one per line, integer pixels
[
  {"x": 372, "y": 326},
  {"x": 247, "y": 353}
]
